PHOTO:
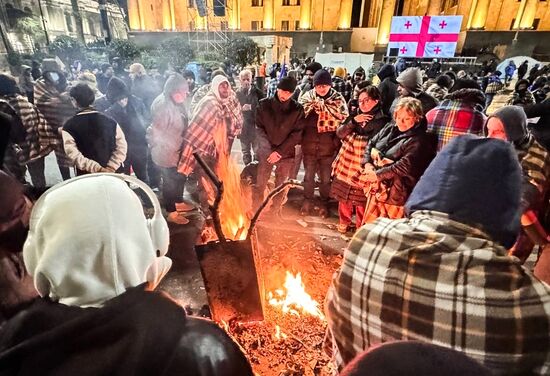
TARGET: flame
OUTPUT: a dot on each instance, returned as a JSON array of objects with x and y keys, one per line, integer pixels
[
  {"x": 233, "y": 207},
  {"x": 279, "y": 335},
  {"x": 294, "y": 299}
]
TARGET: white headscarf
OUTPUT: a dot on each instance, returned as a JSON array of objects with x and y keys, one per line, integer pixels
[
  {"x": 89, "y": 242},
  {"x": 214, "y": 87}
]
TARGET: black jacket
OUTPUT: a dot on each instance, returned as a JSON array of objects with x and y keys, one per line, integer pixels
[
  {"x": 279, "y": 127},
  {"x": 132, "y": 122},
  {"x": 136, "y": 333},
  {"x": 252, "y": 98},
  {"x": 388, "y": 93},
  {"x": 368, "y": 129},
  {"x": 541, "y": 130},
  {"x": 411, "y": 153}
]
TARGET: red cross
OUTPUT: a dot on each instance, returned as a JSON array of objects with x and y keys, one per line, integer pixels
[
  {"x": 403, "y": 50},
  {"x": 423, "y": 37},
  {"x": 443, "y": 24},
  {"x": 408, "y": 24},
  {"x": 437, "y": 50}
]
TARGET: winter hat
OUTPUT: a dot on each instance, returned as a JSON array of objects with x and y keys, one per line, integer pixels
[
  {"x": 465, "y": 83},
  {"x": 14, "y": 213},
  {"x": 451, "y": 75},
  {"x": 413, "y": 358},
  {"x": 322, "y": 77},
  {"x": 216, "y": 81},
  {"x": 457, "y": 183},
  {"x": 175, "y": 83},
  {"x": 514, "y": 120},
  {"x": 117, "y": 90},
  {"x": 50, "y": 65},
  {"x": 444, "y": 81},
  {"x": 137, "y": 68},
  {"x": 523, "y": 82},
  {"x": 287, "y": 84},
  {"x": 8, "y": 85},
  {"x": 89, "y": 242},
  {"x": 314, "y": 67},
  {"x": 89, "y": 79},
  {"x": 340, "y": 72},
  {"x": 387, "y": 70},
  {"x": 411, "y": 79}
]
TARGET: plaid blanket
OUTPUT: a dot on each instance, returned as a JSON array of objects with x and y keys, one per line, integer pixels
[
  {"x": 332, "y": 111},
  {"x": 57, "y": 108},
  {"x": 535, "y": 163},
  {"x": 432, "y": 279},
  {"x": 210, "y": 114},
  {"x": 347, "y": 165},
  {"x": 40, "y": 137}
]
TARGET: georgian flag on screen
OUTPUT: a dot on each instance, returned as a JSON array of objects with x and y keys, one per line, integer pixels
[{"x": 427, "y": 36}]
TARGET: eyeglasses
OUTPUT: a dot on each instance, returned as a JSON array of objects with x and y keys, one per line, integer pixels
[{"x": 364, "y": 101}]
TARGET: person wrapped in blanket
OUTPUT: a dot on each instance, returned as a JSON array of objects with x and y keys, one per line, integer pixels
[
  {"x": 364, "y": 122},
  {"x": 324, "y": 110},
  {"x": 395, "y": 159}
]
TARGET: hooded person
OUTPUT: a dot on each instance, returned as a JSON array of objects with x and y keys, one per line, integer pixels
[
  {"x": 410, "y": 85},
  {"x": 460, "y": 112},
  {"x": 358, "y": 76},
  {"x": 521, "y": 96},
  {"x": 215, "y": 123},
  {"x": 387, "y": 86},
  {"x": 55, "y": 103},
  {"x": 97, "y": 313},
  {"x": 509, "y": 123},
  {"x": 324, "y": 109},
  {"x": 447, "y": 259},
  {"x": 130, "y": 114},
  {"x": 494, "y": 85},
  {"x": 166, "y": 140}
]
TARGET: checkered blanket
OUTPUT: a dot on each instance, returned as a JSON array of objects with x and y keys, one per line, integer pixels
[
  {"x": 347, "y": 165},
  {"x": 432, "y": 279},
  {"x": 332, "y": 111}
]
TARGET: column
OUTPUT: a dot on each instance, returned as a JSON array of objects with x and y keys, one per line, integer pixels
[
  {"x": 434, "y": 8},
  {"x": 166, "y": 19},
  {"x": 235, "y": 22},
  {"x": 528, "y": 14},
  {"x": 133, "y": 15},
  {"x": 478, "y": 15},
  {"x": 269, "y": 21},
  {"x": 305, "y": 14},
  {"x": 388, "y": 9},
  {"x": 345, "y": 14},
  {"x": 172, "y": 15}
]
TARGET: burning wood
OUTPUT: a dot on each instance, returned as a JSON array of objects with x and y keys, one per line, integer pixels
[{"x": 294, "y": 298}]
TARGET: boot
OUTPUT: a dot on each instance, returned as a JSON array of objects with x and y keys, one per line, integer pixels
[
  {"x": 323, "y": 210},
  {"x": 306, "y": 208}
]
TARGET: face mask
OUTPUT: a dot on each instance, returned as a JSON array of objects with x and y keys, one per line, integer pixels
[
  {"x": 178, "y": 97},
  {"x": 54, "y": 76}
]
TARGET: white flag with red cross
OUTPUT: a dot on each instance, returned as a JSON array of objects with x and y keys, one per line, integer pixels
[{"x": 427, "y": 36}]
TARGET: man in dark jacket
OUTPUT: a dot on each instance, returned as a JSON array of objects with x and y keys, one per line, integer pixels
[
  {"x": 522, "y": 70},
  {"x": 104, "y": 76},
  {"x": 279, "y": 129},
  {"x": 129, "y": 112},
  {"x": 107, "y": 320},
  {"x": 143, "y": 86},
  {"x": 249, "y": 97},
  {"x": 387, "y": 86},
  {"x": 410, "y": 85},
  {"x": 324, "y": 110}
]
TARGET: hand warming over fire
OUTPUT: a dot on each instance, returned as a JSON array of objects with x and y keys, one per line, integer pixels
[{"x": 274, "y": 157}]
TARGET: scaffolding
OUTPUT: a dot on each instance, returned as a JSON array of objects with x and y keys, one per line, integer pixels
[{"x": 211, "y": 32}]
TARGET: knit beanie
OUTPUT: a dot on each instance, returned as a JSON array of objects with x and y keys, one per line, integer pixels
[
  {"x": 117, "y": 90},
  {"x": 444, "y": 81},
  {"x": 314, "y": 67},
  {"x": 340, "y": 72},
  {"x": 322, "y": 77},
  {"x": 411, "y": 79},
  {"x": 458, "y": 183},
  {"x": 287, "y": 84},
  {"x": 514, "y": 120}
]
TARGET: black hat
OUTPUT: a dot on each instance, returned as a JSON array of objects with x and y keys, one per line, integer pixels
[
  {"x": 322, "y": 77},
  {"x": 116, "y": 90},
  {"x": 314, "y": 67},
  {"x": 287, "y": 84}
]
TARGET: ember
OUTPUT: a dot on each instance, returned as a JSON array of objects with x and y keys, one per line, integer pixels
[{"x": 294, "y": 298}]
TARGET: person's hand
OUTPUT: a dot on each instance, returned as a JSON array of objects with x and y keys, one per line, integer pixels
[
  {"x": 107, "y": 169},
  {"x": 369, "y": 173},
  {"x": 361, "y": 118},
  {"x": 274, "y": 157}
]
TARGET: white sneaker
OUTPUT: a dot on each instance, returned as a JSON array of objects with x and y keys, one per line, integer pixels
[{"x": 177, "y": 218}]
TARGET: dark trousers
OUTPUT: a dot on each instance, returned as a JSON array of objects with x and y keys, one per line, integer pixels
[
  {"x": 137, "y": 160},
  {"x": 247, "y": 142},
  {"x": 173, "y": 184},
  {"x": 317, "y": 165},
  {"x": 153, "y": 172},
  {"x": 36, "y": 171},
  {"x": 282, "y": 172},
  {"x": 297, "y": 162},
  {"x": 488, "y": 100}
]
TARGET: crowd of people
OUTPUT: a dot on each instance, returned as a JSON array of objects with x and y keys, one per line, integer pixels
[{"x": 446, "y": 201}]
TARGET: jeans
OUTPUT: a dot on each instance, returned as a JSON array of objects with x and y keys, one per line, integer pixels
[
  {"x": 322, "y": 166},
  {"x": 36, "y": 171},
  {"x": 488, "y": 100},
  {"x": 282, "y": 172},
  {"x": 246, "y": 148},
  {"x": 173, "y": 184}
]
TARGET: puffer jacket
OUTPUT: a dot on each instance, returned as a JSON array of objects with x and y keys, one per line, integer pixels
[
  {"x": 387, "y": 86},
  {"x": 169, "y": 122},
  {"x": 411, "y": 153}
]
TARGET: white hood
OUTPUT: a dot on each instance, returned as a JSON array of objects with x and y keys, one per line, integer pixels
[
  {"x": 89, "y": 242},
  {"x": 214, "y": 87}
]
